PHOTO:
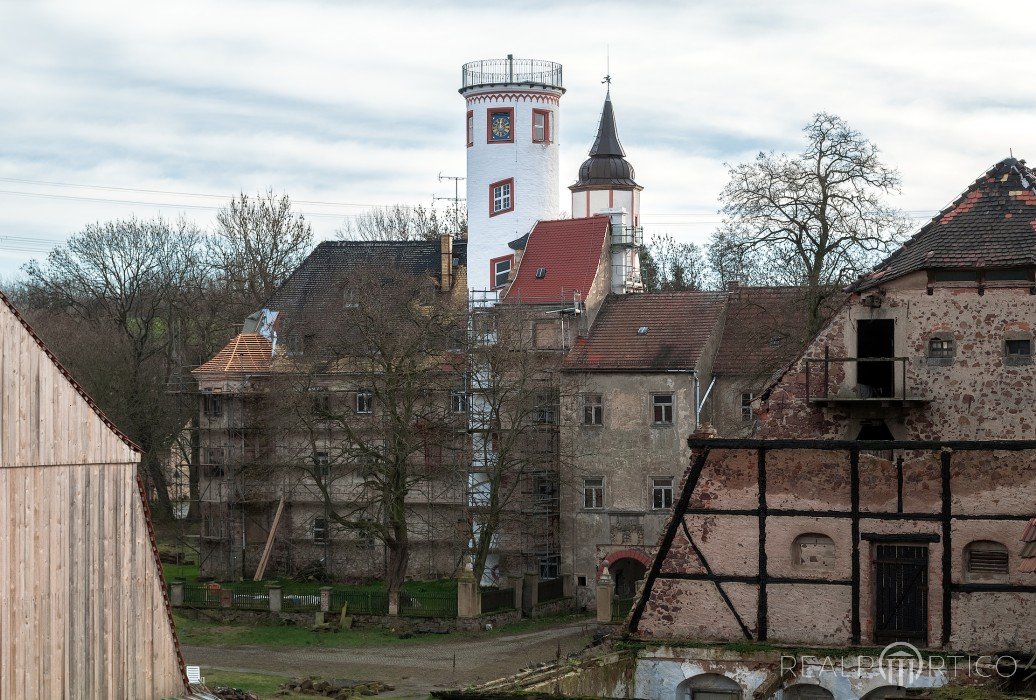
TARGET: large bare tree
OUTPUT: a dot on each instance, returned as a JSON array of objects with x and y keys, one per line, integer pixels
[
  {"x": 403, "y": 222},
  {"x": 817, "y": 218}
]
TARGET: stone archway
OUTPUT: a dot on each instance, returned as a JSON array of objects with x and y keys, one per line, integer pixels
[{"x": 626, "y": 568}]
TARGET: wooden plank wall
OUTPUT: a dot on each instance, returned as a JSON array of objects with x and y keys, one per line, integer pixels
[{"x": 82, "y": 609}]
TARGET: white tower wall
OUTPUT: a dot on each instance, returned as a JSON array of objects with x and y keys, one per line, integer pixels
[{"x": 533, "y": 166}]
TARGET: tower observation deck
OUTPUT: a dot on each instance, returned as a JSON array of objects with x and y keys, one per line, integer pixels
[{"x": 511, "y": 71}]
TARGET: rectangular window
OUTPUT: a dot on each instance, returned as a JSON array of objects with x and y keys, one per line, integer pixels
[
  {"x": 212, "y": 405},
  {"x": 321, "y": 534},
  {"x": 365, "y": 401},
  {"x": 323, "y": 464},
  {"x": 593, "y": 493},
  {"x": 662, "y": 492},
  {"x": 1019, "y": 347},
  {"x": 940, "y": 347},
  {"x": 540, "y": 126},
  {"x": 322, "y": 404},
  {"x": 501, "y": 197},
  {"x": 214, "y": 460},
  {"x": 549, "y": 566},
  {"x": 500, "y": 270},
  {"x": 470, "y": 127},
  {"x": 662, "y": 409},
  {"x": 458, "y": 401},
  {"x": 544, "y": 489},
  {"x": 593, "y": 409},
  {"x": 547, "y": 409},
  {"x": 746, "y": 405}
]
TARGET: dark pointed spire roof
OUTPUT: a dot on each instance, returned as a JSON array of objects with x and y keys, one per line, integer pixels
[
  {"x": 607, "y": 141},
  {"x": 991, "y": 225},
  {"x": 606, "y": 168}
]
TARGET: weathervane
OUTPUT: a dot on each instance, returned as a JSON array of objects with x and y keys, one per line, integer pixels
[{"x": 608, "y": 67}]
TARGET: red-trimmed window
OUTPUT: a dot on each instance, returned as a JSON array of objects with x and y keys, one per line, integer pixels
[
  {"x": 470, "y": 128},
  {"x": 541, "y": 126},
  {"x": 500, "y": 125},
  {"x": 500, "y": 270},
  {"x": 501, "y": 197}
]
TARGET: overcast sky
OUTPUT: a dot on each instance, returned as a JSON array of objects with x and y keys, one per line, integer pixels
[{"x": 357, "y": 105}]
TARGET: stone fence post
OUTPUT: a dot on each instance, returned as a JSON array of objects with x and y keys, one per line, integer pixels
[
  {"x": 393, "y": 604},
  {"x": 276, "y": 599},
  {"x": 605, "y": 593},
  {"x": 176, "y": 589},
  {"x": 469, "y": 596},
  {"x": 530, "y": 592},
  {"x": 515, "y": 582},
  {"x": 325, "y": 599}
]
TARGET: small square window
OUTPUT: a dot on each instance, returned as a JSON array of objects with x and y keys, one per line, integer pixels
[
  {"x": 1019, "y": 347},
  {"x": 940, "y": 348},
  {"x": 322, "y": 404},
  {"x": 593, "y": 493},
  {"x": 501, "y": 197},
  {"x": 662, "y": 492},
  {"x": 321, "y": 534},
  {"x": 746, "y": 405},
  {"x": 662, "y": 409},
  {"x": 580, "y": 580},
  {"x": 365, "y": 401},
  {"x": 540, "y": 126},
  {"x": 593, "y": 409}
]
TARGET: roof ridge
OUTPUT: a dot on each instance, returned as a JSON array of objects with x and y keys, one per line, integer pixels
[{"x": 233, "y": 351}]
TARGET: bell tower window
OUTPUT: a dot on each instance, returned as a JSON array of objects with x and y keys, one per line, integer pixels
[
  {"x": 541, "y": 126},
  {"x": 501, "y": 197}
]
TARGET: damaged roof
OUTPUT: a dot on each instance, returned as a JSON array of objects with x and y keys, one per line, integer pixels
[
  {"x": 568, "y": 251},
  {"x": 318, "y": 280},
  {"x": 764, "y": 330},
  {"x": 992, "y": 225},
  {"x": 660, "y": 331}
]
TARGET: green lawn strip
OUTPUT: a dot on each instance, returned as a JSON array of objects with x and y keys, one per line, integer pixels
[
  {"x": 261, "y": 684},
  {"x": 211, "y": 634}
]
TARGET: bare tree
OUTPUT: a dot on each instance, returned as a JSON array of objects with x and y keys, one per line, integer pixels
[
  {"x": 111, "y": 302},
  {"x": 257, "y": 243},
  {"x": 402, "y": 222},
  {"x": 669, "y": 266},
  {"x": 361, "y": 407},
  {"x": 816, "y": 219}
]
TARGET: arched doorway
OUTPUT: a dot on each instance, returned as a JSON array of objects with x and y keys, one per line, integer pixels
[{"x": 625, "y": 573}]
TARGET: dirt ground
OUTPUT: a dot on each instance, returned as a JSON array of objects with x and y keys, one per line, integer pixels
[{"x": 413, "y": 670}]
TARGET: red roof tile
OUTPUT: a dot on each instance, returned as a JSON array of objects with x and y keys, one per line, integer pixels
[
  {"x": 679, "y": 325},
  {"x": 1030, "y": 532},
  {"x": 248, "y": 352},
  {"x": 570, "y": 252}
]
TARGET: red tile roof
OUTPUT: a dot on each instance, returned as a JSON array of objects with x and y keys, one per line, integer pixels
[
  {"x": 992, "y": 225},
  {"x": 1028, "y": 565},
  {"x": 679, "y": 325},
  {"x": 247, "y": 353},
  {"x": 570, "y": 252}
]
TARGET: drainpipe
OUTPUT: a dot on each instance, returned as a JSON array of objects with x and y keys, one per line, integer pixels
[{"x": 705, "y": 398}]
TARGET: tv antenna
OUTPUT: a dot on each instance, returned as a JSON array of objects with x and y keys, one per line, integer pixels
[{"x": 456, "y": 198}]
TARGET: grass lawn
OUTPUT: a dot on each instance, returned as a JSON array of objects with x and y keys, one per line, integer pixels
[{"x": 212, "y": 634}]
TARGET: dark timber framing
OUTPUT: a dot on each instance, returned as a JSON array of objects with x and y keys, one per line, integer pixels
[{"x": 701, "y": 448}]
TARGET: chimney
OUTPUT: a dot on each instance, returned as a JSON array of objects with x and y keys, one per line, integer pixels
[{"x": 446, "y": 262}]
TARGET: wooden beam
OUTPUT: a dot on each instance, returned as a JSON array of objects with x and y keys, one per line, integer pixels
[{"x": 260, "y": 570}]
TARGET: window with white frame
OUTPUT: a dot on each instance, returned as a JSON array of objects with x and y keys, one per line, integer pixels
[
  {"x": 501, "y": 271},
  {"x": 321, "y": 534},
  {"x": 593, "y": 409},
  {"x": 662, "y": 492},
  {"x": 593, "y": 492},
  {"x": 662, "y": 409},
  {"x": 746, "y": 405},
  {"x": 459, "y": 401},
  {"x": 365, "y": 401},
  {"x": 501, "y": 197}
]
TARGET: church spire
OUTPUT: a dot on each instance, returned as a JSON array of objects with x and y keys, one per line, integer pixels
[{"x": 607, "y": 141}]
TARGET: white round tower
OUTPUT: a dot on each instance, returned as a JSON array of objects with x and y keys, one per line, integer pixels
[{"x": 512, "y": 179}]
